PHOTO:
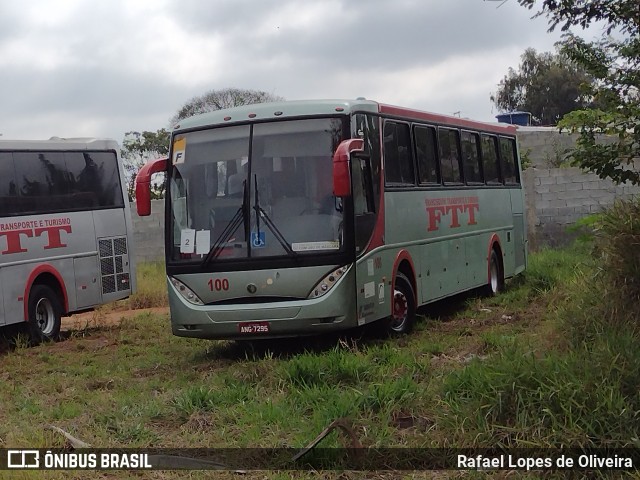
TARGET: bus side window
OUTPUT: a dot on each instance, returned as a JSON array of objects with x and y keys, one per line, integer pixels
[
  {"x": 84, "y": 179},
  {"x": 98, "y": 171},
  {"x": 398, "y": 160},
  {"x": 41, "y": 182},
  {"x": 471, "y": 157},
  {"x": 426, "y": 155},
  {"x": 508, "y": 157},
  {"x": 490, "y": 163},
  {"x": 9, "y": 200},
  {"x": 449, "y": 155}
]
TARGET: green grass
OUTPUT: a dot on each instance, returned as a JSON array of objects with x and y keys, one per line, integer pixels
[
  {"x": 475, "y": 372},
  {"x": 151, "y": 289},
  {"x": 519, "y": 400}
]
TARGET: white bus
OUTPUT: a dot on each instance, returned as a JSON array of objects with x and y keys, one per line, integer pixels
[{"x": 65, "y": 231}]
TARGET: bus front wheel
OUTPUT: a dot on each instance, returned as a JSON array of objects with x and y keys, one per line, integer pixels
[
  {"x": 45, "y": 313},
  {"x": 404, "y": 306}
]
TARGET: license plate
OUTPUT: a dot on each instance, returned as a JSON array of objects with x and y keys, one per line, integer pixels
[{"x": 253, "y": 327}]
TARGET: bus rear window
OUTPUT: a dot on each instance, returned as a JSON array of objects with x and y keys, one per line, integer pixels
[
  {"x": 508, "y": 156},
  {"x": 490, "y": 160}
]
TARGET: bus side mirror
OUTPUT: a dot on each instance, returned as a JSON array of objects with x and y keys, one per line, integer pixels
[
  {"x": 341, "y": 173},
  {"x": 143, "y": 184}
]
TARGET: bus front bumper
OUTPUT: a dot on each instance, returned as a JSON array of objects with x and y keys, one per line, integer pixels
[{"x": 336, "y": 310}]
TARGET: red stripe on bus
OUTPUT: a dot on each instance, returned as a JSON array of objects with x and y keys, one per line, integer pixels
[{"x": 40, "y": 269}]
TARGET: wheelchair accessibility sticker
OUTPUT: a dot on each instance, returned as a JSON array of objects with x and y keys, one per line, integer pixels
[{"x": 258, "y": 240}]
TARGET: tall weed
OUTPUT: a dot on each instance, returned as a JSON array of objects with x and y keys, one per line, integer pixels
[
  {"x": 605, "y": 297},
  {"x": 563, "y": 399},
  {"x": 618, "y": 250}
]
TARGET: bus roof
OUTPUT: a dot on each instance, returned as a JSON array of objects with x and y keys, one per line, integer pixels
[
  {"x": 56, "y": 143},
  {"x": 302, "y": 108},
  {"x": 277, "y": 110}
]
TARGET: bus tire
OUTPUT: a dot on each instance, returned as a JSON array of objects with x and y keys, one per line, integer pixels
[
  {"x": 404, "y": 307},
  {"x": 495, "y": 283},
  {"x": 45, "y": 314}
]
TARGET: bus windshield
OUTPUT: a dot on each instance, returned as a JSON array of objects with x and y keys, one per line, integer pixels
[{"x": 260, "y": 190}]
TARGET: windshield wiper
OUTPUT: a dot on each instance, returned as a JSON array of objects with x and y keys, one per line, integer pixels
[
  {"x": 269, "y": 223},
  {"x": 238, "y": 218}
]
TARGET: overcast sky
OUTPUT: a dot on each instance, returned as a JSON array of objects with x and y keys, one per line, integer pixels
[{"x": 104, "y": 67}]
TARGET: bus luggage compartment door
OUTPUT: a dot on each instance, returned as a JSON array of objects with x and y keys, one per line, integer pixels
[{"x": 87, "y": 282}]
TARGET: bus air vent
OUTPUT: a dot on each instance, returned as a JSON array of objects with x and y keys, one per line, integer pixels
[
  {"x": 112, "y": 251},
  {"x": 120, "y": 246},
  {"x": 108, "y": 284},
  {"x": 106, "y": 248}
]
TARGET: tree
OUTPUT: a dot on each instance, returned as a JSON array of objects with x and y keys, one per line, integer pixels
[
  {"x": 219, "y": 99},
  {"x": 545, "y": 84},
  {"x": 614, "y": 64},
  {"x": 138, "y": 148}
]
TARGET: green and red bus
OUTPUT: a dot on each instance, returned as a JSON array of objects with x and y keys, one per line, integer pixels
[{"x": 303, "y": 217}]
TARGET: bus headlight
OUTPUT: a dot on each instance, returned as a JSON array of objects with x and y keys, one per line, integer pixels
[
  {"x": 186, "y": 292},
  {"x": 327, "y": 283}
]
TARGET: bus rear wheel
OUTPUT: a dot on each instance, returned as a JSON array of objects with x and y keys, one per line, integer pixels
[
  {"x": 45, "y": 314},
  {"x": 495, "y": 283},
  {"x": 404, "y": 306}
]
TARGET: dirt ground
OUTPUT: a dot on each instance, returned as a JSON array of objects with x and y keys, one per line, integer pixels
[{"x": 99, "y": 318}]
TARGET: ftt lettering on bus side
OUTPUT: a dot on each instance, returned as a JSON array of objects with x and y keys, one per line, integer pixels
[
  {"x": 54, "y": 239},
  {"x": 454, "y": 207}
]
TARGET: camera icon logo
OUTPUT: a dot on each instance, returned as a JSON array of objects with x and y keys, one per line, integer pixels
[{"x": 23, "y": 459}]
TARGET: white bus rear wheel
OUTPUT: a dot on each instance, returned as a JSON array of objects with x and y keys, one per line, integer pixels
[{"x": 45, "y": 313}]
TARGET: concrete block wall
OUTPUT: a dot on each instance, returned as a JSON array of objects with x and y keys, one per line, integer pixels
[
  {"x": 557, "y": 197},
  {"x": 148, "y": 233}
]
